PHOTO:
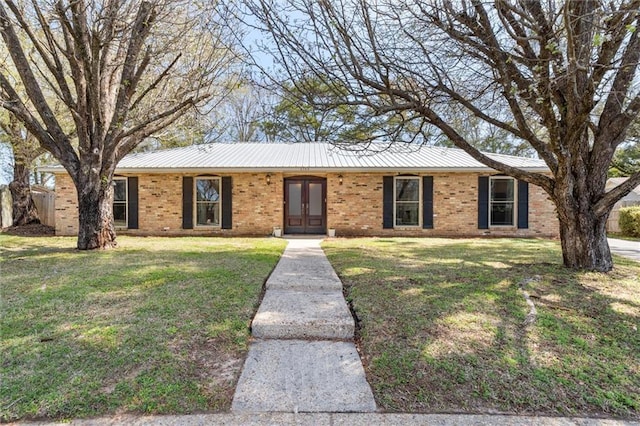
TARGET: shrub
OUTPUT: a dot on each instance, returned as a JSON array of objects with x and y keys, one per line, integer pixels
[{"x": 630, "y": 221}]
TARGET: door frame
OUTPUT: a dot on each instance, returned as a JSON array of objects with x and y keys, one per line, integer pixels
[{"x": 306, "y": 180}]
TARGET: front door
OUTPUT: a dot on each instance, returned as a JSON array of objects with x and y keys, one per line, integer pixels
[{"x": 305, "y": 206}]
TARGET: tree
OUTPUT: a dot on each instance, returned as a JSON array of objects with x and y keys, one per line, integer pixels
[
  {"x": 239, "y": 117},
  {"x": 310, "y": 110},
  {"x": 562, "y": 76},
  {"x": 488, "y": 139},
  {"x": 306, "y": 112},
  {"x": 123, "y": 71},
  {"x": 626, "y": 160},
  {"x": 25, "y": 151}
]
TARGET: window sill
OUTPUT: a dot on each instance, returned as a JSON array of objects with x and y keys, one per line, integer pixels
[
  {"x": 407, "y": 227},
  {"x": 206, "y": 227}
]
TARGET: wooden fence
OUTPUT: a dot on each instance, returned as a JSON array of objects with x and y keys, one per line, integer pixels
[
  {"x": 6, "y": 207},
  {"x": 44, "y": 200}
]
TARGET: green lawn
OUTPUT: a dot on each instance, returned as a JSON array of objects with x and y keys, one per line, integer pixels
[
  {"x": 442, "y": 327},
  {"x": 158, "y": 325}
]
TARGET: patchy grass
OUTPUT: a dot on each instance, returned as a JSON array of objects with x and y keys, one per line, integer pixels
[
  {"x": 442, "y": 327},
  {"x": 159, "y": 325}
]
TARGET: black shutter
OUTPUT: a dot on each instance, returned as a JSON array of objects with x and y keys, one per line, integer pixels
[
  {"x": 227, "y": 210},
  {"x": 483, "y": 202},
  {"x": 387, "y": 202},
  {"x": 427, "y": 202},
  {"x": 132, "y": 202},
  {"x": 187, "y": 203},
  {"x": 523, "y": 205}
]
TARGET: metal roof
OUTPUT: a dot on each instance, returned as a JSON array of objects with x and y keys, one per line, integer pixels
[{"x": 273, "y": 157}]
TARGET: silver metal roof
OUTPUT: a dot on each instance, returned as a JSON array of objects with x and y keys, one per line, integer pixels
[{"x": 274, "y": 157}]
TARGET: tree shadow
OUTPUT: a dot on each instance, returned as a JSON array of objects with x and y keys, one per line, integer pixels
[
  {"x": 131, "y": 330},
  {"x": 443, "y": 329}
]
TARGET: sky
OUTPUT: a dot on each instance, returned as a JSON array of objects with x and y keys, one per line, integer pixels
[{"x": 6, "y": 164}]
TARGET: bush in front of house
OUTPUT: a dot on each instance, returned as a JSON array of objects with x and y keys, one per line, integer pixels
[{"x": 630, "y": 221}]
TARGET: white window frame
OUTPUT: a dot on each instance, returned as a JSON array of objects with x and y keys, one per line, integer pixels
[
  {"x": 196, "y": 202},
  {"x": 395, "y": 201},
  {"x": 125, "y": 202},
  {"x": 514, "y": 202}
]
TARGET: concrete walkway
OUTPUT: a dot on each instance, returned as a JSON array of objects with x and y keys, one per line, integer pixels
[
  {"x": 628, "y": 249},
  {"x": 304, "y": 358}
]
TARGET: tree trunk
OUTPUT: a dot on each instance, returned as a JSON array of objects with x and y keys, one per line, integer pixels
[
  {"x": 24, "y": 209},
  {"x": 95, "y": 214},
  {"x": 583, "y": 236}
]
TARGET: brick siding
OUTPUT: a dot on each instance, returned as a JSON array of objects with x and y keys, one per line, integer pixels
[{"x": 353, "y": 207}]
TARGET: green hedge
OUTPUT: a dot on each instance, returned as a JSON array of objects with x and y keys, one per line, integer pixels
[{"x": 630, "y": 221}]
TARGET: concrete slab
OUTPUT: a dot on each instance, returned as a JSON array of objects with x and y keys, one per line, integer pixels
[
  {"x": 303, "y": 315},
  {"x": 303, "y": 376},
  {"x": 334, "y": 419},
  {"x": 304, "y": 269}
]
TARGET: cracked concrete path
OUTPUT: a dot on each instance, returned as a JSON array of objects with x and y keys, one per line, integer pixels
[{"x": 304, "y": 358}]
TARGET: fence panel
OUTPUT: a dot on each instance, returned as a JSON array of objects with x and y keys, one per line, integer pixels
[{"x": 45, "y": 203}]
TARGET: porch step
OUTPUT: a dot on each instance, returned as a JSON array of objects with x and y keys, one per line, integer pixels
[
  {"x": 303, "y": 376},
  {"x": 303, "y": 315}
]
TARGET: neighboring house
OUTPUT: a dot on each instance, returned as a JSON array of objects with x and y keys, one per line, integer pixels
[
  {"x": 631, "y": 199},
  {"x": 309, "y": 188}
]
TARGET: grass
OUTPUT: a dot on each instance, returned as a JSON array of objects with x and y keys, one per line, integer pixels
[
  {"x": 442, "y": 327},
  {"x": 154, "y": 326}
]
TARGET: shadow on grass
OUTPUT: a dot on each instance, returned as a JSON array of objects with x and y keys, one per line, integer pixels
[
  {"x": 146, "y": 328},
  {"x": 443, "y": 327}
]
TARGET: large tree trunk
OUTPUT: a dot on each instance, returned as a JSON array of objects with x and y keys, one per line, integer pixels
[
  {"x": 584, "y": 244},
  {"x": 583, "y": 233},
  {"x": 24, "y": 209},
  {"x": 95, "y": 214}
]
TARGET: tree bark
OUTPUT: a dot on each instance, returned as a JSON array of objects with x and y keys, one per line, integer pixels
[
  {"x": 24, "y": 209},
  {"x": 95, "y": 215},
  {"x": 583, "y": 235}
]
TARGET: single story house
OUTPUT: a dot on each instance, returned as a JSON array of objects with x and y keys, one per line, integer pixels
[{"x": 314, "y": 188}]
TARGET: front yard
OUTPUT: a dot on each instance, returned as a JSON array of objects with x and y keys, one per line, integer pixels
[
  {"x": 443, "y": 327},
  {"x": 158, "y": 325}
]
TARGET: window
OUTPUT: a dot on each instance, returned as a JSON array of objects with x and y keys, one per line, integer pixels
[
  {"x": 120, "y": 202},
  {"x": 207, "y": 201},
  {"x": 502, "y": 201},
  {"x": 407, "y": 201}
]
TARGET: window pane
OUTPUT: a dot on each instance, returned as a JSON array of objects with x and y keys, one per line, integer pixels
[
  {"x": 295, "y": 199},
  {"x": 120, "y": 190},
  {"x": 502, "y": 214},
  {"x": 315, "y": 199},
  {"x": 120, "y": 214},
  {"x": 407, "y": 214},
  {"x": 208, "y": 214},
  {"x": 407, "y": 189},
  {"x": 207, "y": 189},
  {"x": 502, "y": 189}
]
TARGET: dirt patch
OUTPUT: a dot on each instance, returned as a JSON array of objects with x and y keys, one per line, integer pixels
[{"x": 32, "y": 230}]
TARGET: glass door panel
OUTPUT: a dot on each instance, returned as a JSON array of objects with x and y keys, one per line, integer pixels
[
  {"x": 315, "y": 199},
  {"x": 295, "y": 199}
]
